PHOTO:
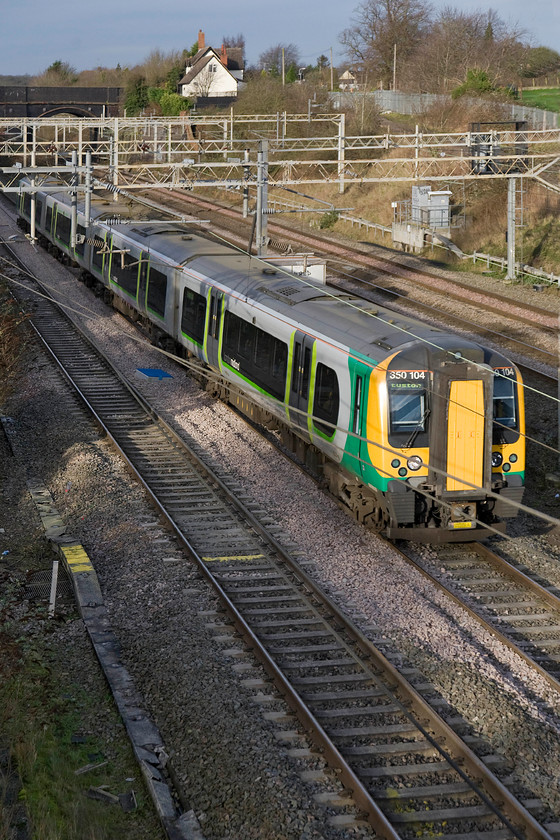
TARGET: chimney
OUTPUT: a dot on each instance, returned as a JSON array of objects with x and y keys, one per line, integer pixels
[
  {"x": 200, "y": 39},
  {"x": 223, "y": 56}
]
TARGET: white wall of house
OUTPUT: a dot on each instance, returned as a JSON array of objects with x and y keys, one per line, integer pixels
[{"x": 213, "y": 80}]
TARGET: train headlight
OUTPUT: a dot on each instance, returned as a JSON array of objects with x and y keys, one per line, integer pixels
[
  {"x": 414, "y": 463},
  {"x": 513, "y": 457},
  {"x": 496, "y": 459},
  {"x": 507, "y": 467}
]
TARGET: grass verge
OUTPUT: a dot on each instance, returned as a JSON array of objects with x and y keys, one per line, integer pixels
[{"x": 546, "y": 98}]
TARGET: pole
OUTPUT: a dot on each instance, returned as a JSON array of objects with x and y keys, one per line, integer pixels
[
  {"x": 89, "y": 170},
  {"x": 262, "y": 198},
  {"x": 341, "y": 152},
  {"x": 332, "y": 73},
  {"x": 33, "y": 208},
  {"x": 54, "y": 584},
  {"x": 511, "y": 269},
  {"x": 74, "y": 199},
  {"x": 395, "y": 67},
  {"x": 283, "y": 68},
  {"x": 80, "y": 142},
  {"x": 115, "y": 160},
  {"x": 246, "y": 172}
]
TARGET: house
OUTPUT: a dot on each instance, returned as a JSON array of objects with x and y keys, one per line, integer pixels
[
  {"x": 212, "y": 75},
  {"x": 347, "y": 81}
]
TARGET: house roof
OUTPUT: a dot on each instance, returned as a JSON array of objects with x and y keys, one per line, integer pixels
[
  {"x": 197, "y": 67},
  {"x": 235, "y": 58},
  {"x": 203, "y": 57}
]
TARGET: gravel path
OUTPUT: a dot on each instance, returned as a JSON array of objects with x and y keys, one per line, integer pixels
[{"x": 237, "y": 778}]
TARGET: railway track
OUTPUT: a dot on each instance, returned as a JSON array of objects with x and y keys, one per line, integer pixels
[
  {"x": 510, "y": 600},
  {"x": 463, "y": 291},
  {"x": 536, "y": 358},
  {"x": 408, "y": 771},
  {"x": 387, "y": 281}
]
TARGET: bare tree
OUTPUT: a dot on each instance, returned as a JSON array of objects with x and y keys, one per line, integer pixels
[
  {"x": 157, "y": 65},
  {"x": 378, "y": 26},
  {"x": 205, "y": 80},
  {"x": 271, "y": 59},
  {"x": 59, "y": 73},
  {"x": 539, "y": 61},
  {"x": 461, "y": 41},
  {"x": 235, "y": 41}
]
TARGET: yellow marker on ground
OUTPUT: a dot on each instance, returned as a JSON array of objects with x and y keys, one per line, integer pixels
[{"x": 77, "y": 559}]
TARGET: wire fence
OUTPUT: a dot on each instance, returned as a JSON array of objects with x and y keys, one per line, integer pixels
[{"x": 410, "y": 104}]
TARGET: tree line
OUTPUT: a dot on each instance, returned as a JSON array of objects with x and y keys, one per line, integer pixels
[
  {"x": 408, "y": 44},
  {"x": 404, "y": 44}
]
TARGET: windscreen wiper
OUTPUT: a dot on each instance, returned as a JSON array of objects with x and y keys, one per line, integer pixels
[{"x": 419, "y": 428}]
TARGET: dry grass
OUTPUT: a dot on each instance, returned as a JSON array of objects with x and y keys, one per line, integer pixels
[{"x": 12, "y": 343}]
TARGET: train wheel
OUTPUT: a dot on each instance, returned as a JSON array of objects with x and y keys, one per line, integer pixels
[{"x": 378, "y": 519}]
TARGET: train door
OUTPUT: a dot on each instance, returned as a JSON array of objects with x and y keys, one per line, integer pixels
[
  {"x": 142, "y": 281},
  {"x": 465, "y": 435},
  {"x": 213, "y": 335},
  {"x": 301, "y": 378},
  {"x": 461, "y": 405},
  {"x": 356, "y": 422}
]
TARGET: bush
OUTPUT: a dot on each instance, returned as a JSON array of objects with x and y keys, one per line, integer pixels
[{"x": 328, "y": 220}]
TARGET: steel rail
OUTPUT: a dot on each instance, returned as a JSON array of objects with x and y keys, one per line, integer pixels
[
  {"x": 421, "y": 709},
  {"x": 391, "y": 267},
  {"x": 515, "y": 811},
  {"x": 505, "y": 568}
]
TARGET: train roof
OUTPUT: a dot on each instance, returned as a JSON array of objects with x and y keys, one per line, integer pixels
[
  {"x": 371, "y": 330},
  {"x": 348, "y": 320}
]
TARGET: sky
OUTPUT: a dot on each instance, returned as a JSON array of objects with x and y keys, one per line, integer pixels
[{"x": 34, "y": 33}]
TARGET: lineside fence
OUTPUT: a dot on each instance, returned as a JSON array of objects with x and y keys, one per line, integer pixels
[
  {"x": 412, "y": 104},
  {"x": 530, "y": 271},
  {"x": 276, "y": 205}
]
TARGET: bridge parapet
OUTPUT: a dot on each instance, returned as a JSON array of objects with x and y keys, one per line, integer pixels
[{"x": 24, "y": 101}]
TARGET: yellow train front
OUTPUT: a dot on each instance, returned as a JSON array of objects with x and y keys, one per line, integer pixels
[{"x": 446, "y": 440}]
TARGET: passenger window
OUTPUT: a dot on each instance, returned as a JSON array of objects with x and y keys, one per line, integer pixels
[
  {"x": 505, "y": 428},
  {"x": 124, "y": 271},
  {"x": 326, "y": 401},
  {"x": 305, "y": 374},
  {"x": 408, "y": 416},
  {"x": 98, "y": 254},
  {"x": 81, "y": 246},
  {"x": 407, "y": 411},
  {"x": 255, "y": 354},
  {"x": 193, "y": 316},
  {"x": 295, "y": 367},
  {"x": 157, "y": 291},
  {"x": 63, "y": 227}
]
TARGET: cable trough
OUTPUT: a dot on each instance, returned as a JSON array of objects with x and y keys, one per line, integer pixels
[{"x": 408, "y": 771}]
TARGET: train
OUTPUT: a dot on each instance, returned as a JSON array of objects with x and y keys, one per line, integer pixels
[{"x": 420, "y": 433}]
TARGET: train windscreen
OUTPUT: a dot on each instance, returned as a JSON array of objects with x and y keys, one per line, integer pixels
[
  {"x": 505, "y": 428},
  {"x": 408, "y": 407},
  {"x": 504, "y": 402},
  {"x": 407, "y": 411}
]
